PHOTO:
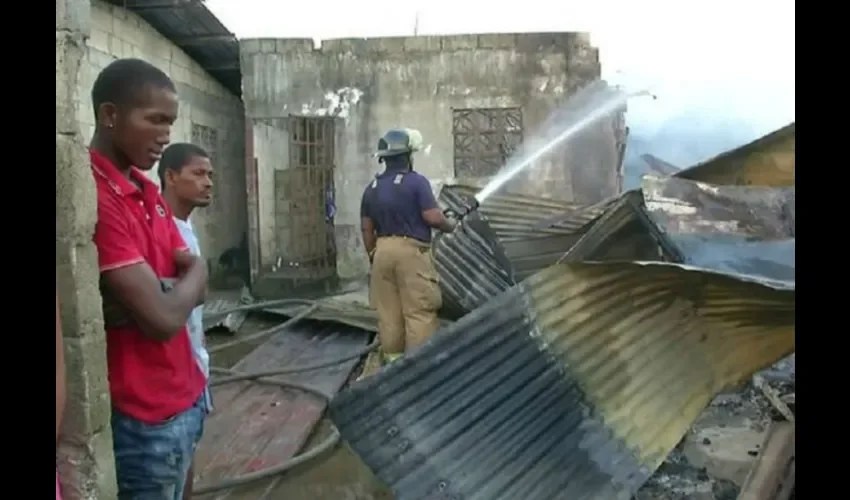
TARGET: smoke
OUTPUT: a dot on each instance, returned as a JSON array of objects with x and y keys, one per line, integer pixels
[{"x": 683, "y": 141}]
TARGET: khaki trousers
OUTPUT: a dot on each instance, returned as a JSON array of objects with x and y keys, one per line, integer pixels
[{"x": 405, "y": 291}]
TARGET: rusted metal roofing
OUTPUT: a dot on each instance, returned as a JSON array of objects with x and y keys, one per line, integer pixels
[
  {"x": 768, "y": 161},
  {"x": 508, "y": 238},
  {"x": 257, "y": 426},
  {"x": 219, "y": 301},
  {"x": 514, "y": 216},
  {"x": 575, "y": 384},
  {"x": 472, "y": 266},
  {"x": 191, "y": 26},
  {"x": 624, "y": 232},
  {"x": 737, "y": 229},
  {"x": 338, "y": 309}
]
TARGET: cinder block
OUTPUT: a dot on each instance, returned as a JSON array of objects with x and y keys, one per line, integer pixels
[
  {"x": 87, "y": 409},
  {"x": 73, "y": 15},
  {"x": 392, "y": 45},
  {"x": 77, "y": 284},
  {"x": 539, "y": 42},
  {"x": 346, "y": 45},
  {"x": 87, "y": 466},
  {"x": 284, "y": 45},
  {"x": 268, "y": 46},
  {"x": 423, "y": 44},
  {"x": 70, "y": 48},
  {"x": 98, "y": 39},
  {"x": 460, "y": 42},
  {"x": 101, "y": 16},
  {"x": 497, "y": 41},
  {"x": 249, "y": 46},
  {"x": 76, "y": 198}
]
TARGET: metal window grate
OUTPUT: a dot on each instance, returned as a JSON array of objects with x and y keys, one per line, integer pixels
[{"x": 484, "y": 138}]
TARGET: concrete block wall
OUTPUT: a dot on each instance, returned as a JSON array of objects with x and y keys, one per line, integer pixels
[
  {"x": 117, "y": 33},
  {"x": 84, "y": 457},
  {"x": 371, "y": 85}
]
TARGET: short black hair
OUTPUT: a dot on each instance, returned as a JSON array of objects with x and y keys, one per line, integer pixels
[
  {"x": 176, "y": 156},
  {"x": 122, "y": 81}
]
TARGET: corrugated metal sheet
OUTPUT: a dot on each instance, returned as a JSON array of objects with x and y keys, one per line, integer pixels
[
  {"x": 257, "y": 426},
  {"x": 737, "y": 229},
  {"x": 472, "y": 267},
  {"x": 513, "y": 216},
  {"x": 575, "y": 384},
  {"x": 623, "y": 232},
  {"x": 221, "y": 301},
  {"x": 507, "y": 239},
  {"x": 337, "y": 309},
  {"x": 192, "y": 27},
  {"x": 768, "y": 161}
]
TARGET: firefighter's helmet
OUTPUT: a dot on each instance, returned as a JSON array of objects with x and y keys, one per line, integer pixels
[{"x": 399, "y": 141}]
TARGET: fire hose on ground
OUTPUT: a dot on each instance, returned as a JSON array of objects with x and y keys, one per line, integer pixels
[{"x": 227, "y": 376}]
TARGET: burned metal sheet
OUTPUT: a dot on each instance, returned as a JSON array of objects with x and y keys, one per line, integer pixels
[
  {"x": 471, "y": 265},
  {"x": 513, "y": 216},
  {"x": 219, "y": 302},
  {"x": 767, "y": 161},
  {"x": 734, "y": 229},
  {"x": 350, "y": 309},
  {"x": 574, "y": 384},
  {"x": 508, "y": 238},
  {"x": 623, "y": 232},
  {"x": 259, "y": 426}
]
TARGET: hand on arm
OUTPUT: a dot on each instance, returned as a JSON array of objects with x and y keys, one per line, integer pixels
[{"x": 127, "y": 279}]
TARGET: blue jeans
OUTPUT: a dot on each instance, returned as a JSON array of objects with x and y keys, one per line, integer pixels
[{"x": 152, "y": 460}]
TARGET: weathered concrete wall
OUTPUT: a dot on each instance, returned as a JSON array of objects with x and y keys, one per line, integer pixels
[
  {"x": 85, "y": 459},
  {"x": 371, "y": 85},
  {"x": 116, "y": 33}
]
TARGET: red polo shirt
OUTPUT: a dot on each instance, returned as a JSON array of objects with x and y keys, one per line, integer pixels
[{"x": 149, "y": 380}]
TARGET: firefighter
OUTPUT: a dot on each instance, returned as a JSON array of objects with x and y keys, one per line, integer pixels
[{"x": 398, "y": 212}]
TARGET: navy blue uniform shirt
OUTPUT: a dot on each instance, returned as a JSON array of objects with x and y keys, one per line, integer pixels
[{"x": 395, "y": 201}]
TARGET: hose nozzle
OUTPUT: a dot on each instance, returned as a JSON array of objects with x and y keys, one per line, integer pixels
[{"x": 464, "y": 211}]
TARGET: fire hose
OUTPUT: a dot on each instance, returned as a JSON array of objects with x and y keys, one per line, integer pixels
[{"x": 227, "y": 376}]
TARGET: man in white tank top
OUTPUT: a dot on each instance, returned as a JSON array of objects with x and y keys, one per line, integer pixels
[{"x": 185, "y": 175}]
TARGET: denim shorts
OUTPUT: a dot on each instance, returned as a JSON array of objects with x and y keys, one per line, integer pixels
[{"x": 152, "y": 460}]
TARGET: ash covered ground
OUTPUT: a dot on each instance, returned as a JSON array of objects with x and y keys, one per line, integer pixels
[{"x": 713, "y": 459}]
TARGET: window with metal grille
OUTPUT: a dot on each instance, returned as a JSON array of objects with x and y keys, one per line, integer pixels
[
  {"x": 484, "y": 138},
  {"x": 311, "y": 141},
  {"x": 207, "y": 138}
]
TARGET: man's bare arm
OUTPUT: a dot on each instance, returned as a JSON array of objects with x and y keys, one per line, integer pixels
[
  {"x": 431, "y": 212},
  {"x": 438, "y": 220},
  {"x": 370, "y": 238},
  {"x": 184, "y": 258},
  {"x": 159, "y": 314}
]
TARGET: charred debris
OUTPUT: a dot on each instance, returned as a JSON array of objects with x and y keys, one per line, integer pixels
[{"x": 641, "y": 347}]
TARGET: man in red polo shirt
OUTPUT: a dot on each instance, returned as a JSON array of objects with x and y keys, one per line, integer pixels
[{"x": 155, "y": 383}]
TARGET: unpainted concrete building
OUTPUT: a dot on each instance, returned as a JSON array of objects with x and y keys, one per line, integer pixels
[
  {"x": 89, "y": 34},
  {"x": 316, "y": 115}
]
